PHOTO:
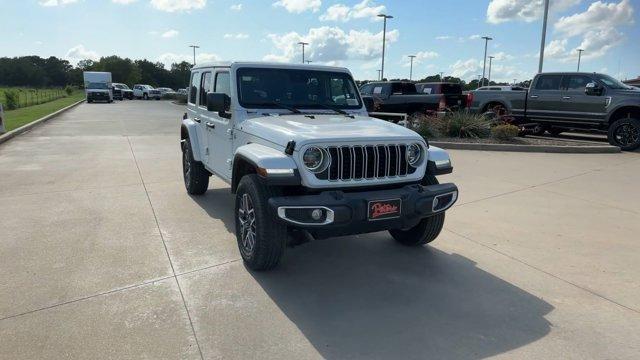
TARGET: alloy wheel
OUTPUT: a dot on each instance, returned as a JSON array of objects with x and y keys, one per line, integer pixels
[
  {"x": 627, "y": 134},
  {"x": 247, "y": 222}
]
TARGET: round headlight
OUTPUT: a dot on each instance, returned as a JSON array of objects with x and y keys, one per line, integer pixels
[
  {"x": 314, "y": 159},
  {"x": 414, "y": 154}
]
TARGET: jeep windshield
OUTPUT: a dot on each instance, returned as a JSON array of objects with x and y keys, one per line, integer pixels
[{"x": 300, "y": 89}]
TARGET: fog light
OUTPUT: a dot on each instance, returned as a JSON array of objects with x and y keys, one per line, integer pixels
[
  {"x": 436, "y": 201},
  {"x": 316, "y": 214}
]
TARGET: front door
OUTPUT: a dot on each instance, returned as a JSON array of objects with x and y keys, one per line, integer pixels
[
  {"x": 578, "y": 106},
  {"x": 545, "y": 99},
  {"x": 219, "y": 128}
]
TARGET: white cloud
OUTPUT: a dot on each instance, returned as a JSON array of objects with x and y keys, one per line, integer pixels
[
  {"x": 598, "y": 16},
  {"x": 443, "y": 37},
  {"x": 170, "y": 58},
  {"x": 466, "y": 69},
  {"x": 236, "y": 7},
  {"x": 50, "y": 3},
  {"x": 421, "y": 56},
  {"x": 475, "y": 37},
  {"x": 344, "y": 13},
  {"x": 124, "y": 2},
  {"x": 299, "y": 6},
  {"x": 178, "y": 5},
  {"x": 238, "y": 36},
  {"x": 502, "y": 56},
  {"x": 500, "y": 11},
  {"x": 470, "y": 69},
  {"x": 170, "y": 33},
  {"x": 330, "y": 45},
  {"x": 79, "y": 52}
]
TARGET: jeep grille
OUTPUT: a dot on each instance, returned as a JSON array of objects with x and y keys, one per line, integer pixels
[{"x": 360, "y": 162}]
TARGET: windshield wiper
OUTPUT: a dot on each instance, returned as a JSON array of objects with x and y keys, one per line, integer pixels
[
  {"x": 339, "y": 111},
  {"x": 280, "y": 105}
]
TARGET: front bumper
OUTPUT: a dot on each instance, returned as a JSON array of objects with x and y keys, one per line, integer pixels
[{"x": 346, "y": 213}]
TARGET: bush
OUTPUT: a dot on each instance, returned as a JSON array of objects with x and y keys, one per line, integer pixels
[
  {"x": 12, "y": 99},
  {"x": 463, "y": 124},
  {"x": 427, "y": 126},
  {"x": 505, "y": 132},
  {"x": 176, "y": 97},
  {"x": 68, "y": 89}
]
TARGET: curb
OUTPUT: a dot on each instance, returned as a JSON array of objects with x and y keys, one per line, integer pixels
[
  {"x": 569, "y": 149},
  {"x": 15, "y": 132}
]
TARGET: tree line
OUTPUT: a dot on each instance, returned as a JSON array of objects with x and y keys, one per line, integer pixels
[
  {"x": 471, "y": 85},
  {"x": 38, "y": 72}
]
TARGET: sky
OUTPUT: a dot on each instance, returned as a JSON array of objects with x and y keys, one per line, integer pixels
[{"x": 445, "y": 36}]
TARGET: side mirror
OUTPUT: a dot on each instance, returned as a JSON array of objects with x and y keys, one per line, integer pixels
[
  {"x": 368, "y": 103},
  {"x": 593, "y": 89},
  {"x": 218, "y": 102}
]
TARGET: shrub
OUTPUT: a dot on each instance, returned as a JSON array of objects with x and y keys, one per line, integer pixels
[
  {"x": 505, "y": 131},
  {"x": 176, "y": 97},
  {"x": 427, "y": 126},
  {"x": 68, "y": 89},
  {"x": 463, "y": 124},
  {"x": 12, "y": 99}
]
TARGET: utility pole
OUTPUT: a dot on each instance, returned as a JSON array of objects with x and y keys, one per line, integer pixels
[
  {"x": 303, "y": 45},
  {"x": 544, "y": 35},
  {"x": 579, "y": 57},
  {"x": 384, "y": 40},
  {"x": 489, "y": 80},
  {"x": 484, "y": 66},
  {"x": 194, "y": 53},
  {"x": 411, "y": 68}
]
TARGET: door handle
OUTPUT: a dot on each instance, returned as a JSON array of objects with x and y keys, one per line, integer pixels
[
  {"x": 534, "y": 96},
  {"x": 196, "y": 119},
  {"x": 566, "y": 97},
  {"x": 211, "y": 125}
]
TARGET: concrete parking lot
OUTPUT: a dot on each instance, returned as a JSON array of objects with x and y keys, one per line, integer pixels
[{"x": 104, "y": 255}]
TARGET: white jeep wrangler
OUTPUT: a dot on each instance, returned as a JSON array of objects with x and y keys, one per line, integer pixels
[{"x": 305, "y": 160}]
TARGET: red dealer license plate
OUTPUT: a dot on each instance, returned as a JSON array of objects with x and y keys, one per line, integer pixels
[{"x": 384, "y": 209}]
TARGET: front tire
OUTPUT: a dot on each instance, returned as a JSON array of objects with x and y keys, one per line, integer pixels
[
  {"x": 196, "y": 177},
  {"x": 427, "y": 229},
  {"x": 145, "y": 97},
  {"x": 261, "y": 237},
  {"x": 625, "y": 133}
]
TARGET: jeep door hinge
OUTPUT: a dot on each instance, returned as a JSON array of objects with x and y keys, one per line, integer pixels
[
  {"x": 230, "y": 163},
  {"x": 230, "y": 133}
]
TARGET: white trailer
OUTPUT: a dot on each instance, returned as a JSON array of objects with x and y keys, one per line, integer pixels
[{"x": 97, "y": 86}]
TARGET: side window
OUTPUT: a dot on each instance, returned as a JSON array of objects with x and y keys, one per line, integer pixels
[
  {"x": 549, "y": 82},
  {"x": 377, "y": 90},
  {"x": 396, "y": 88},
  {"x": 193, "y": 88},
  {"x": 205, "y": 87},
  {"x": 223, "y": 83},
  {"x": 576, "y": 82},
  {"x": 366, "y": 90}
]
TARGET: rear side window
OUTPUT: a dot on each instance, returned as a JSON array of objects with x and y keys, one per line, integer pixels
[
  {"x": 549, "y": 82},
  {"x": 205, "y": 87},
  {"x": 223, "y": 83},
  {"x": 193, "y": 88},
  {"x": 366, "y": 90}
]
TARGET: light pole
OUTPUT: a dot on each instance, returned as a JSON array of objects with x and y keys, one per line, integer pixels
[
  {"x": 479, "y": 76},
  {"x": 579, "y": 57},
  {"x": 411, "y": 68},
  {"x": 379, "y": 71},
  {"x": 514, "y": 81},
  {"x": 384, "y": 40},
  {"x": 308, "y": 62},
  {"x": 544, "y": 34},
  {"x": 303, "y": 45},
  {"x": 489, "y": 80},
  {"x": 194, "y": 53},
  {"x": 484, "y": 66},
  {"x": 441, "y": 78}
]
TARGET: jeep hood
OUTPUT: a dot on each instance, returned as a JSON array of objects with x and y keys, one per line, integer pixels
[{"x": 330, "y": 128}]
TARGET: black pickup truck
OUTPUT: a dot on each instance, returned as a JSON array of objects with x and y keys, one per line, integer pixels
[
  {"x": 403, "y": 97},
  {"x": 558, "y": 102}
]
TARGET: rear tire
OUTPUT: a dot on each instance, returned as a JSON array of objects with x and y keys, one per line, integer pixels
[
  {"x": 196, "y": 177},
  {"x": 261, "y": 237},
  {"x": 145, "y": 97},
  {"x": 625, "y": 133},
  {"x": 427, "y": 229},
  {"x": 555, "y": 131}
]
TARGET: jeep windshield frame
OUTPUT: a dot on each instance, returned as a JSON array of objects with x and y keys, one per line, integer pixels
[{"x": 260, "y": 88}]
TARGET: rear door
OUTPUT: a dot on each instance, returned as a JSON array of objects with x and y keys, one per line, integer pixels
[
  {"x": 194, "y": 114},
  {"x": 219, "y": 133},
  {"x": 545, "y": 99},
  {"x": 578, "y": 106}
]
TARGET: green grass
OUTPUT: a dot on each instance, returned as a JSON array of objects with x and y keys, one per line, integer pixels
[
  {"x": 30, "y": 96},
  {"x": 19, "y": 117}
]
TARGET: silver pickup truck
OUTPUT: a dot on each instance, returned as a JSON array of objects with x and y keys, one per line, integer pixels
[{"x": 558, "y": 102}]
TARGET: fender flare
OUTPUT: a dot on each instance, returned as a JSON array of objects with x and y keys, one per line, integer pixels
[
  {"x": 263, "y": 157},
  {"x": 189, "y": 132},
  {"x": 439, "y": 161},
  {"x": 619, "y": 106}
]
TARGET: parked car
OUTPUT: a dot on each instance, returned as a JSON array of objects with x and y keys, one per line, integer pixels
[
  {"x": 122, "y": 91},
  {"x": 304, "y": 159},
  {"x": 97, "y": 86},
  {"x": 146, "y": 92},
  {"x": 501, "y": 88},
  {"x": 165, "y": 90},
  {"x": 453, "y": 91},
  {"x": 182, "y": 91},
  {"x": 557, "y": 102},
  {"x": 403, "y": 97}
]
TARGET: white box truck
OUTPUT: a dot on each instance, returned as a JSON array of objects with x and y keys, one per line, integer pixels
[{"x": 97, "y": 86}]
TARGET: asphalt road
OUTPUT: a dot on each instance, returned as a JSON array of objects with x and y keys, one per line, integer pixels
[{"x": 104, "y": 255}]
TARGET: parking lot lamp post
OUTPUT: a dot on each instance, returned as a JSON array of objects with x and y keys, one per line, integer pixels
[
  {"x": 479, "y": 77},
  {"x": 489, "y": 79},
  {"x": 441, "y": 78},
  {"x": 384, "y": 40},
  {"x": 411, "y": 68},
  {"x": 303, "y": 45},
  {"x": 484, "y": 66},
  {"x": 194, "y": 53},
  {"x": 379, "y": 71},
  {"x": 308, "y": 62},
  {"x": 544, "y": 34},
  {"x": 579, "y": 57}
]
